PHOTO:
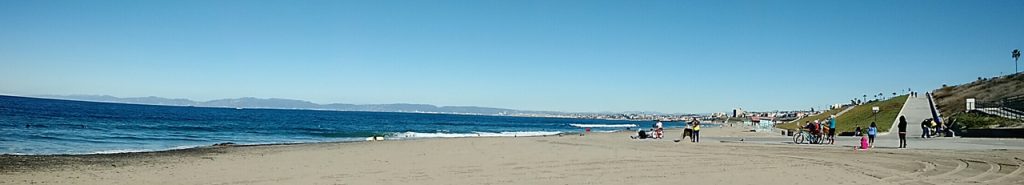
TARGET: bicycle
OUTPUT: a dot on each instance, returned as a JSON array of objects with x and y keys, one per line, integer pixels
[
  {"x": 805, "y": 136},
  {"x": 808, "y": 137}
]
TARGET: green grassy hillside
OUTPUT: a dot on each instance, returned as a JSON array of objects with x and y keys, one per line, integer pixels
[
  {"x": 972, "y": 120},
  {"x": 860, "y": 116},
  {"x": 800, "y": 122}
]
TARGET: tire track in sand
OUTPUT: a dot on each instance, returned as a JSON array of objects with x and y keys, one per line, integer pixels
[
  {"x": 992, "y": 169},
  {"x": 1016, "y": 173}
]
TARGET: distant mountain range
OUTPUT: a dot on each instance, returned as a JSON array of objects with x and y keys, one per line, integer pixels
[{"x": 276, "y": 103}]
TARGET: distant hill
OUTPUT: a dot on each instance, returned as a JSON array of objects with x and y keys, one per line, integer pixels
[
  {"x": 276, "y": 103},
  {"x": 952, "y": 99}
]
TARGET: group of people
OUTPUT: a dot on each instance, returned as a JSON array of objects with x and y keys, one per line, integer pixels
[
  {"x": 691, "y": 130},
  {"x": 657, "y": 131},
  {"x": 827, "y": 132},
  {"x": 867, "y": 139},
  {"x": 931, "y": 128},
  {"x": 820, "y": 130}
]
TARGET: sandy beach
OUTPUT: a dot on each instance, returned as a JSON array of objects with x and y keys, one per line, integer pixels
[{"x": 597, "y": 158}]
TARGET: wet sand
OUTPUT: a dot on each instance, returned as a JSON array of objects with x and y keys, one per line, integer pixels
[{"x": 597, "y": 158}]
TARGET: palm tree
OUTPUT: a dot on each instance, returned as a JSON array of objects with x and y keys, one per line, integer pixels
[{"x": 1016, "y": 56}]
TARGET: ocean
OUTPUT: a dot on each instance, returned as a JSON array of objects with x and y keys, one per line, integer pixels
[{"x": 32, "y": 126}]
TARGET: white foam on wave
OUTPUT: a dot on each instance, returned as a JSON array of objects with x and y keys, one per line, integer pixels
[
  {"x": 603, "y": 125},
  {"x": 184, "y": 147},
  {"x": 118, "y": 151},
  {"x": 474, "y": 134}
]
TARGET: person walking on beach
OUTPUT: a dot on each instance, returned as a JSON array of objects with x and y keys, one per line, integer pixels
[
  {"x": 872, "y": 132},
  {"x": 696, "y": 131},
  {"x": 902, "y": 126},
  {"x": 832, "y": 130}
]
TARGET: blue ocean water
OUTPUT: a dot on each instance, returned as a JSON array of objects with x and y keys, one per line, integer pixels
[{"x": 45, "y": 126}]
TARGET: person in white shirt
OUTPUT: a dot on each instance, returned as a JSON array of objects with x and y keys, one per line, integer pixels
[{"x": 658, "y": 130}]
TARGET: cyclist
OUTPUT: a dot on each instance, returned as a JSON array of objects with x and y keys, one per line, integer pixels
[
  {"x": 811, "y": 129},
  {"x": 819, "y": 133}
]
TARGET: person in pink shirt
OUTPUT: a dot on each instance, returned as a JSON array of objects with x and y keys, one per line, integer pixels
[{"x": 864, "y": 145}]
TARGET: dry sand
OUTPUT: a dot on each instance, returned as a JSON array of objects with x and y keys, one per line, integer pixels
[{"x": 598, "y": 158}]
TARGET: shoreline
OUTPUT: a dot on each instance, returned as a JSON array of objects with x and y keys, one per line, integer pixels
[
  {"x": 28, "y": 162},
  {"x": 354, "y": 140},
  {"x": 394, "y": 138}
]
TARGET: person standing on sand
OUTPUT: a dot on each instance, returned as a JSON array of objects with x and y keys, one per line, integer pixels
[
  {"x": 872, "y": 132},
  {"x": 696, "y": 131},
  {"x": 902, "y": 126},
  {"x": 832, "y": 130}
]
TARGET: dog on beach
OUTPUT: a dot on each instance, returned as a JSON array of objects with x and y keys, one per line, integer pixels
[{"x": 688, "y": 132}]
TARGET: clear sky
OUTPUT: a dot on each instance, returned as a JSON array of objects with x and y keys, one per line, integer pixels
[{"x": 667, "y": 56}]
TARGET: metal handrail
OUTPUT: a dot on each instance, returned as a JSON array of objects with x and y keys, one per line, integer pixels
[{"x": 1001, "y": 112}]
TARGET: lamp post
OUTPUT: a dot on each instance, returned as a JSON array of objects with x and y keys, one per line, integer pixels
[{"x": 874, "y": 113}]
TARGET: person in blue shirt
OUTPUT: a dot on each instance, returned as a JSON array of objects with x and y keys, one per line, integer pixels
[
  {"x": 872, "y": 132},
  {"x": 832, "y": 130}
]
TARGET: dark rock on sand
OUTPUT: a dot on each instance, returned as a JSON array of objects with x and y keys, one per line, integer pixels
[{"x": 224, "y": 144}]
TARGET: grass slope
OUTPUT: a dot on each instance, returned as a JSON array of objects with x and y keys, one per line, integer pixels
[
  {"x": 860, "y": 116},
  {"x": 793, "y": 125},
  {"x": 971, "y": 120}
]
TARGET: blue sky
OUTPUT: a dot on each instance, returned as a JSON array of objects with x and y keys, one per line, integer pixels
[{"x": 667, "y": 56}]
